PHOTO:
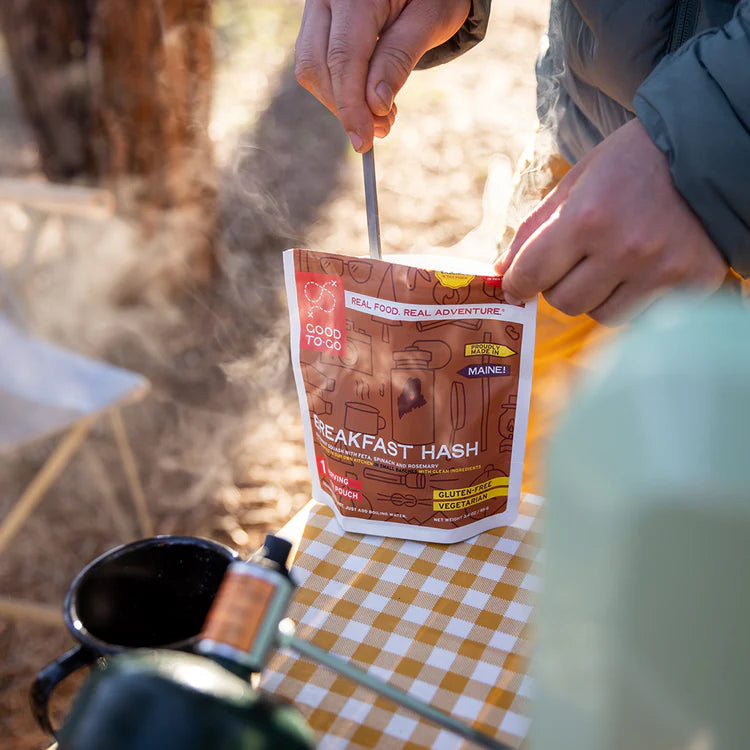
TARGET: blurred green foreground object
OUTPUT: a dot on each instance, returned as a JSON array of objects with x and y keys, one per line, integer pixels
[
  {"x": 182, "y": 702},
  {"x": 643, "y": 632}
]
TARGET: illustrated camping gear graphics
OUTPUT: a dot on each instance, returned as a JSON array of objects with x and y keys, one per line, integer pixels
[
  {"x": 386, "y": 290},
  {"x": 413, "y": 391},
  {"x": 402, "y": 373}
]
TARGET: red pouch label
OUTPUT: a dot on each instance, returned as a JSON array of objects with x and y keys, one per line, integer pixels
[
  {"x": 343, "y": 485},
  {"x": 322, "y": 312}
]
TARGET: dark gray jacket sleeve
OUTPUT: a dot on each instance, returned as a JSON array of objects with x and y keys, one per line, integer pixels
[
  {"x": 468, "y": 36},
  {"x": 696, "y": 108}
]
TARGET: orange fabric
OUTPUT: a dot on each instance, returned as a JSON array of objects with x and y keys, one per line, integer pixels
[
  {"x": 561, "y": 341},
  {"x": 560, "y": 354}
]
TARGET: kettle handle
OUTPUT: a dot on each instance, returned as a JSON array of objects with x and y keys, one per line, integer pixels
[{"x": 49, "y": 677}]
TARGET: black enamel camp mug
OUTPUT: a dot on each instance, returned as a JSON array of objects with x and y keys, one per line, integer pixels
[{"x": 152, "y": 593}]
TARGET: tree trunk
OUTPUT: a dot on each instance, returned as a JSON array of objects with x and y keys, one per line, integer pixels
[
  {"x": 151, "y": 102},
  {"x": 46, "y": 41},
  {"x": 118, "y": 93}
]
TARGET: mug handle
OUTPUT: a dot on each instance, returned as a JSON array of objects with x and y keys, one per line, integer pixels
[
  {"x": 49, "y": 677},
  {"x": 381, "y": 422}
]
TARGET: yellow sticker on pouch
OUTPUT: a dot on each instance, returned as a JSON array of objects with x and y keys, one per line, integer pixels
[
  {"x": 453, "y": 280},
  {"x": 486, "y": 349},
  {"x": 463, "y": 497}
]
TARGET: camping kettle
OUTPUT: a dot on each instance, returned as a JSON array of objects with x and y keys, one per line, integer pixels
[
  {"x": 183, "y": 702},
  {"x": 163, "y": 699}
]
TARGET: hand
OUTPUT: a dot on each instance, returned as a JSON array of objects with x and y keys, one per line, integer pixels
[
  {"x": 614, "y": 235},
  {"x": 355, "y": 55}
]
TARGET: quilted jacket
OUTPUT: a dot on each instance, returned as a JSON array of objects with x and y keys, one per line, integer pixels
[{"x": 681, "y": 66}]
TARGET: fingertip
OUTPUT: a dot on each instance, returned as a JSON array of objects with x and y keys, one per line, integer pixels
[
  {"x": 511, "y": 300},
  {"x": 356, "y": 141},
  {"x": 381, "y": 99},
  {"x": 501, "y": 263},
  {"x": 511, "y": 295},
  {"x": 383, "y": 125},
  {"x": 359, "y": 129}
]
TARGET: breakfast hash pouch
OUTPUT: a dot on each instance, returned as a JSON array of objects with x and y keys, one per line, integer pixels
[{"x": 414, "y": 380}]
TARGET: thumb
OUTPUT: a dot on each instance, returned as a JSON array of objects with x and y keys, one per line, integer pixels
[
  {"x": 538, "y": 216},
  {"x": 421, "y": 25}
]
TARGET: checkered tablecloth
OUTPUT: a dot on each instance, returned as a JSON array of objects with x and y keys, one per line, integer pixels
[{"x": 446, "y": 623}]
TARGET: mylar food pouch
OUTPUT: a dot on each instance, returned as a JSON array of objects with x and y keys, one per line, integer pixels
[{"x": 414, "y": 377}]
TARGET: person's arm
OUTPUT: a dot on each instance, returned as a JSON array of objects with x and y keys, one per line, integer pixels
[
  {"x": 469, "y": 35},
  {"x": 659, "y": 204},
  {"x": 355, "y": 57},
  {"x": 696, "y": 108},
  {"x": 613, "y": 236}
]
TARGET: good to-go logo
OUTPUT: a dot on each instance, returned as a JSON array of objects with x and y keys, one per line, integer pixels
[
  {"x": 320, "y": 296},
  {"x": 322, "y": 312}
]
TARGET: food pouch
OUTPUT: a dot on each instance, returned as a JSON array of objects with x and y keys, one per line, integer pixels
[{"x": 414, "y": 382}]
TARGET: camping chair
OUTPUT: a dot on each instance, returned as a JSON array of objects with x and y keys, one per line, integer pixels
[
  {"x": 40, "y": 199},
  {"x": 46, "y": 390}
]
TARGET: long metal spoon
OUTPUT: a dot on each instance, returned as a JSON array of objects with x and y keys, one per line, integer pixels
[
  {"x": 287, "y": 638},
  {"x": 371, "y": 204}
]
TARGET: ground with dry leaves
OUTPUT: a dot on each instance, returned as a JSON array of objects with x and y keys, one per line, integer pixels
[{"x": 218, "y": 440}]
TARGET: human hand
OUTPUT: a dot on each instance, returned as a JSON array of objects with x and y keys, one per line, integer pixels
[
  {"x": 614, "y": 235},
  {"x": 355, "y": 56}
]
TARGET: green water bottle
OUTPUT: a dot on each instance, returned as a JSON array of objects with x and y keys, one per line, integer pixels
[
  {"x": 170, "y": 700},
  {"x": 643, "y": 624}
]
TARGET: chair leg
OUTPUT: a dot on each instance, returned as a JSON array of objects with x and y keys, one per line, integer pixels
[
  {"x": 44, "y": 614},
  {"x": 12, "y": 304},
  {"x": 131, "y": 473},
  {"x": 98, "y": 475},
  {"x": 44, "y": 478}
]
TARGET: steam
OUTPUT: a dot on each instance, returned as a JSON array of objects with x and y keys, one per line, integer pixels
[{"x": 541, "y": 165}]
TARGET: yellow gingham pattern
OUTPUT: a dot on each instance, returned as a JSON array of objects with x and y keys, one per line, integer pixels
[{"x": 446, "y": 623}]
